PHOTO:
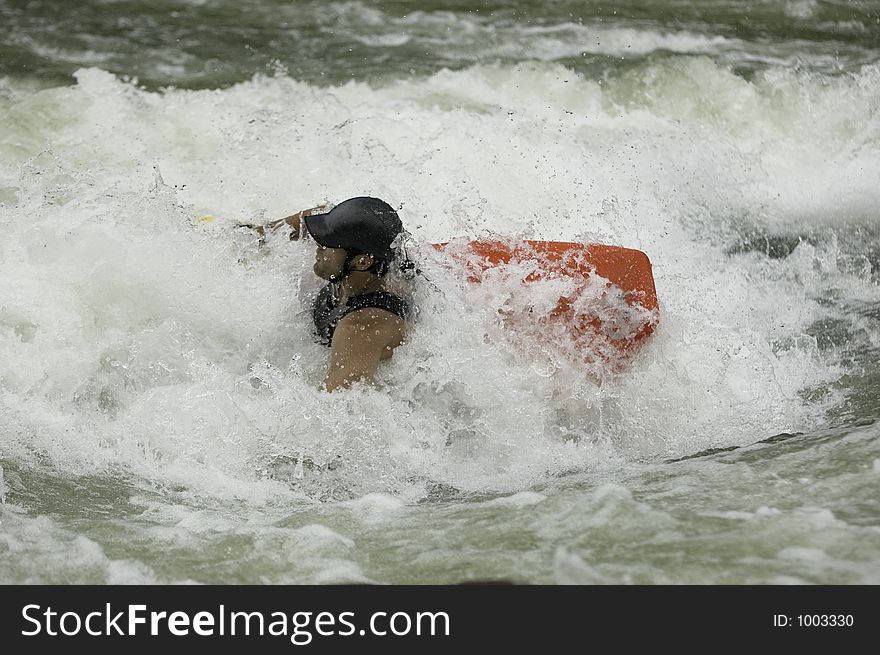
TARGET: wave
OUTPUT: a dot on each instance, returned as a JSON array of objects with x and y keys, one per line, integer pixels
[{"x": 133, "y": 336}]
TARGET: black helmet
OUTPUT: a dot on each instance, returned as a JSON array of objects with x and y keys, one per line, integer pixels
[{"x": 361, "y": 225}]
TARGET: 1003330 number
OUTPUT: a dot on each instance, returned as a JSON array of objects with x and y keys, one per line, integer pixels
[{"x": 824, "y": 620}]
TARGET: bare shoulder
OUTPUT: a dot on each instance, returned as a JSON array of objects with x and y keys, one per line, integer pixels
[{"x": 360, "y": 341}]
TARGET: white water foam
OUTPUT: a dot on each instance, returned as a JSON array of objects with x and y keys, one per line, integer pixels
[{"x": 132, "y": 335}]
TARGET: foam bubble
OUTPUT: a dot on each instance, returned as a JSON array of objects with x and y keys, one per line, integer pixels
[{"x": 377, "y": 507}]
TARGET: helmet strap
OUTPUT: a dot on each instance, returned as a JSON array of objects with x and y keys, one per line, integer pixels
[{"x": 346, "y": 269}]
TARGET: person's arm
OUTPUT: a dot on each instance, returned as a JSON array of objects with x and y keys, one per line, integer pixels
[
  {"x": 359, "y": 342},
  {"x": 294, "y": 221}
]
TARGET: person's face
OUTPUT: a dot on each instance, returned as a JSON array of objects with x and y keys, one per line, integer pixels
[{"x": 329, "y": 261}]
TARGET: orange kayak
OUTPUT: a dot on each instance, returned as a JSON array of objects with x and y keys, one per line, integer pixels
[{"x": 607, "y": 312}]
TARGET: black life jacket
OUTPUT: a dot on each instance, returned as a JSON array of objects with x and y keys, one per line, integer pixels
[{"x": 327, "y": 312}]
